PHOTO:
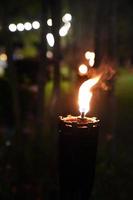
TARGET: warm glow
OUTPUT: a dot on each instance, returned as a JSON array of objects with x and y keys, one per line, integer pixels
[
  {"x": 83, "y": 69},
  {"x": 49, "y": 54},
  {"x": 91, "y": 62},
  {"x": 90, "y": 56},
  {"x": 85, "y": 94},
  {"x": 3, "y": 57}
]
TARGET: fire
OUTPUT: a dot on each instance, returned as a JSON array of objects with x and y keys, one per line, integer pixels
[{"x": 85, "y": 94}]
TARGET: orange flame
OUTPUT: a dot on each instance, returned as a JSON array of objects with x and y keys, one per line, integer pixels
[{"x": 85, "y": 94}]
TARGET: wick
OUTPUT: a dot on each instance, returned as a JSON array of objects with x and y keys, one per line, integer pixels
[{"x": 82, "y": 115}]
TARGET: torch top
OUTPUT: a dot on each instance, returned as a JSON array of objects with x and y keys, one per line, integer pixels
[{"x": 79, "y": 121}]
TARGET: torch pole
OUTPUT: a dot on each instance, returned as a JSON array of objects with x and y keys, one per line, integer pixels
[{"x": 77, "y": 158}]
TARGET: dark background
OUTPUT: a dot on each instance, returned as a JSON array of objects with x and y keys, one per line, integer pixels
[{"x": 35, "y": 90}]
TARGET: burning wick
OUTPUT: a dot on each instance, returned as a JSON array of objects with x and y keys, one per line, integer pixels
[
  {"x": 85, "y": 95},
  {"x": 82, "y": 115}
]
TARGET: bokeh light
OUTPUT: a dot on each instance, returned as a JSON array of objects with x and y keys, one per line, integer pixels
[
  {"x": 49, "y": 54},
  {"x": 20, "y": 27},
  {"x": 12, "y": 27},
  {"x": 27, "y": 26},
  {"x": 83, "y": 69},
  {"x": 50, "y": 39},
  {"x": 36, "y": 25},
  {"x": 67, "y": 17},
  {"x": 90, "y": 56},
  {"x": 49, "y": 22},
  {"x": 64, "y": 29},
  {"x": 3, "y": 57}
]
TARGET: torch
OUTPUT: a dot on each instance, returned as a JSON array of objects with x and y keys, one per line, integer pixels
[{"x": 78, "y": 137}]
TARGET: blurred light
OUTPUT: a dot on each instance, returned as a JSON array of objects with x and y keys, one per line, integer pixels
[
  {"x": 67, "y": 17},
  {"x": 91, "y": 62},
  {"x": 49, "y": 54},
  {"x": 3, "y": 57},
  {"x": 64, "y": 29},
  {"x": 36, "y": 25},
  {"x": 27, "y": 26},
  {"x": 67, "y": 25},
  {"x": 3, "y": 62},
  {"x": 17, "y": 54},
  {"x": 2, "y": 71},
  {"x": 83, "y": 69},
  {"x": 49, "y": 22},
  {"x": 12, "y": 27},
  {"x": 20, "y": 27},
  {"x": 7, "y": 143},
  {"x": 50, "y": 39},
  {"x": 90, "y": 56},
  {"x": 87, "y": 55}
]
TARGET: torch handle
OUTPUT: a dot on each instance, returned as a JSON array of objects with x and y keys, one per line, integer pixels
[{"x": 77, "y": 160}]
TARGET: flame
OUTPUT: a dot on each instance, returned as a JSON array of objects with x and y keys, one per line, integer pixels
[{"x": 85, "y": 94}]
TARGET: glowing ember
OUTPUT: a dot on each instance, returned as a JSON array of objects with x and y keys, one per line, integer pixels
[{"x": 85, "y": 94}]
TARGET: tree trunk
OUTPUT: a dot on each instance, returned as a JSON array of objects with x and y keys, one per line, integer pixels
[
  {"x": 98, "y": 34},
  {"x": 42, "y": 69},
  {"x": 55, "y": 6},
  {"x": 56, "y": 19},
  {"x": 105, "y": 32},
  {"x": 12, "y": 76}
]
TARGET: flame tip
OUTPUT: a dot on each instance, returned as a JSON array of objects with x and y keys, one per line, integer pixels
[{"x": 85, "y": 94}]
